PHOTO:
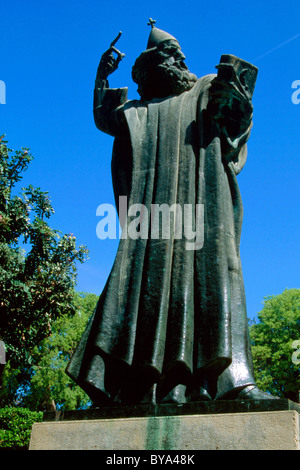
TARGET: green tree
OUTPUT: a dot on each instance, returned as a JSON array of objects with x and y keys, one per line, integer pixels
[
  {"x": 15, "y": 427},
  {"x": 37, "y": 283},
  {"x": 273, "y": 339},
  {"x": 45, "y": 385}
]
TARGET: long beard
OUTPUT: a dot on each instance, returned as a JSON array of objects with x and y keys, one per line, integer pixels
[
  {"x": 176, "y": 77},
  {"x": 167, "y": 80}
]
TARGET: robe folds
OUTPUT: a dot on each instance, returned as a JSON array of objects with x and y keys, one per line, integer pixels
[{"x": 168, "y": 313}]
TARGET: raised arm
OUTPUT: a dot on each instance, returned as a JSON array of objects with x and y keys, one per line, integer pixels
[{"x": 107, "y": 102}]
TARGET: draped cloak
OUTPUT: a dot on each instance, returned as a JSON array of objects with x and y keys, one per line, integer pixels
[{"x": 167, "y": 312}]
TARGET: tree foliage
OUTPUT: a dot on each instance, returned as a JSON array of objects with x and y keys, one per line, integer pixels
[
  {"x": 37, "y": 263},
  {"x": 44, "y": 385},
  {"x": 273, "y": 339},
  {"x": 15, "y": 427}
]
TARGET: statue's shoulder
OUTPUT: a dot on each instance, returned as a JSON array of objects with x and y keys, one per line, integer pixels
[
  {"x": 206, "y": 80},
  {"x": 202, "y": 85}
]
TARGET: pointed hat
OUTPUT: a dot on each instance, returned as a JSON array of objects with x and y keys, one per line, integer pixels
[{"x": 157, "y": 36}]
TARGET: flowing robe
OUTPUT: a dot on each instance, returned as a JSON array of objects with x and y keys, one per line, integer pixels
[{"x": 168, "y": 313}]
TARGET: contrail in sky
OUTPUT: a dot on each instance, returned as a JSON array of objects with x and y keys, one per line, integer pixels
[{"x": 277, "y": 47}]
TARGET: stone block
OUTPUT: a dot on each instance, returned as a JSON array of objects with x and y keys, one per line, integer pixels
[{"x": 269, "y": 430}]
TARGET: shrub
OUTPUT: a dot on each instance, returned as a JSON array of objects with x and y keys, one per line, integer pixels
[{"x": 15, "y": 427}]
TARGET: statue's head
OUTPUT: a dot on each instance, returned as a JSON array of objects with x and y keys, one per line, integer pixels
[{"x": 160, "y": 71}]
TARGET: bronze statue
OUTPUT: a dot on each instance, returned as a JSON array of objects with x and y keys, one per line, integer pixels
[{"x": 171, "y": 323}]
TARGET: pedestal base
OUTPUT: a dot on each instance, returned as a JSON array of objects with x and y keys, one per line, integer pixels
[{"x": 182, "y": 430}]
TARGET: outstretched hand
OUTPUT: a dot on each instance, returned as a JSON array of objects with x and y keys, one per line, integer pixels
[{"x": 109, "y": 63}]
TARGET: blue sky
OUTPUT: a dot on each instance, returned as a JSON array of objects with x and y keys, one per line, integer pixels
[{"x": 49, "y": 56}]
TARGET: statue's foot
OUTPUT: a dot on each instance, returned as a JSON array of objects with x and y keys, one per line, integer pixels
[
  {"x": 204, "y": 395},
  {"x": 252, "y": 392},
  {"x": 198, "y": 394},
  {"x": 176, "y": 395}
]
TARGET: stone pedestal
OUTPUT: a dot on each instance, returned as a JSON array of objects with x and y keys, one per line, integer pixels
[{"x": 173, "y": 427}]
